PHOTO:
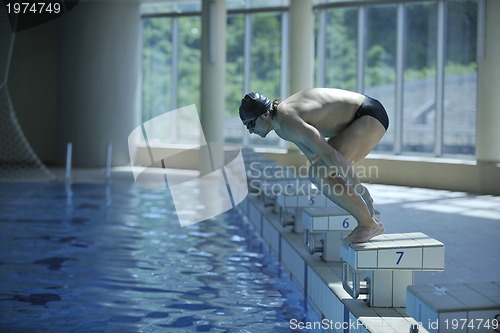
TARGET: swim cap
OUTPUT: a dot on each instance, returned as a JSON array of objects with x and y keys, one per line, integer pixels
[{"x": 253, "y": 105}]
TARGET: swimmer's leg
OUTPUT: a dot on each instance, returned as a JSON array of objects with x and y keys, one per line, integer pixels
[
  {"x": 354, "y": 143},
  {"x": 336, "y": 188}
]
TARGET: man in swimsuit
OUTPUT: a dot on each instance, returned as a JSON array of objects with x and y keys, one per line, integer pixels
[{"x": 334, "y": 129}]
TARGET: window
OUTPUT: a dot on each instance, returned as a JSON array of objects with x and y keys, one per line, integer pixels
[
  {"x": 419, "y": 106},
  {"x": 171, "y": 69},
  {"x": 255, "y": 62},
  {"x": 337, "y": 47},
  {"x": 380, "y": 63},
  {"x": 157, "y": 68},
  {"x": 417, "y": 58},
  {"x": 172, "y": 60},
  {"x": 460, "y": 92},
  {"x": 235, "y": 69}
]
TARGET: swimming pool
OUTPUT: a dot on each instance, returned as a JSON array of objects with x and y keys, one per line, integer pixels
[{"x": 113, "y": 258}]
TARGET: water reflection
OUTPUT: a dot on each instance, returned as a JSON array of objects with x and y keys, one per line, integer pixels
[{"x": 114, "y": 259}]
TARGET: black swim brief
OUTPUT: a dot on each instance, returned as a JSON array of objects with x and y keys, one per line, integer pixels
[{"x": 372, "y": 107}]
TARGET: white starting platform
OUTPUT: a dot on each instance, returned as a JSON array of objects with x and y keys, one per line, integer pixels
[
  {"x": 457, "y": 308},
  {"x": 389, "y": 262},
  {"x": 273, "y": 185},
  {"x": 322, "y": 281},
  {"x": 290, "y": 202},
  {"x": 324, "y": 229}
]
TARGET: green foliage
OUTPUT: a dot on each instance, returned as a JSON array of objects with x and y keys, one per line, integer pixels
[
  {"x": 234, "y": 62},
  {"x": 341, "y": 48},
  {"x": 341, "y": 51},
  {"x": 265, "y": 64},
  {"x": 189, "y": 80},
  {"x": 451, "y": 68},
  {"x": 266, "y": 54},
  {"x": 156, "y": 69}
]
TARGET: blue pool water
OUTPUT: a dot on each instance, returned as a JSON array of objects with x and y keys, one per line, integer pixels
[{"x": 113, "y": 258}]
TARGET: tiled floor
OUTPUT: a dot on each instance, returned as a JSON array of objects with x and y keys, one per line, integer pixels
[{"x": 468, "y": 225}]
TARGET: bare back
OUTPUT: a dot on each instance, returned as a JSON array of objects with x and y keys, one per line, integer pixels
[{"x": 328, "y": 110}]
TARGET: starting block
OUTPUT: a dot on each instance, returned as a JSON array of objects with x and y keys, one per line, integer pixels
[
  {"x": 271, "y": 187},
  {"x": 325, "y": 228},
  {"x": 389, "y": 261},
  {"x": 461, "y": 308},
  {"x": 291, "y": 201}
]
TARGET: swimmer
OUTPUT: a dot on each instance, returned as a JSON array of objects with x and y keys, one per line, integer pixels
[{"x": 334, "y": 129}]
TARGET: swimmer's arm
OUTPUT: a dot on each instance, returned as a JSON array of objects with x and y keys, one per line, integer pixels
[
  {"x": 329, "y": 156},
  {"x": 309, "y": 154},
  {"x": 319, "y": 151},
  {"x": 316, "y": 148}
]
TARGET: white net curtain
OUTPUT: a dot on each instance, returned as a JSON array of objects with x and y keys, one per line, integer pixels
[{"x": 17, "y": 159}]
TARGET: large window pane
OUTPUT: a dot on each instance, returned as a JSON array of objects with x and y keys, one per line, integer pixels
[
  {"x": 233, "y": 129},
  {"x": 266, "y": 63},
  {"x": 157, "y": 73},
  {"x": 266, "y": 54},
  {"x": 189, "y": 62},
  {"x": 156, "y": 67},
  {"x": 341, "y": 48},
  {"x": 234, "y": 62},
  {"x": 420, "y": 78},
  {"x": 189, "y": 75},
  {"x": 380, "y": 73},
  {"x": 460, "y": 78},
  {"x": 171, "y": 75},
  {"x": 171, "y": 67}
]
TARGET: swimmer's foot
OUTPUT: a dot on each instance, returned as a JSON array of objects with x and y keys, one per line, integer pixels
[{"x": 362, "y": 234}]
